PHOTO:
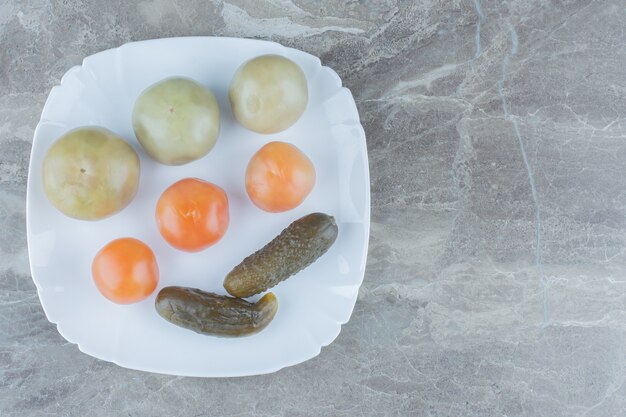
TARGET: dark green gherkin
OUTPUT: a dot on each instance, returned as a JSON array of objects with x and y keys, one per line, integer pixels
[
  {"x": 295, "y": 248},
  {"x": 219, "y": 315}
]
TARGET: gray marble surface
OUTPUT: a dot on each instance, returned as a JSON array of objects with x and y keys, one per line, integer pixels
[{"x": 496, "y": 276}]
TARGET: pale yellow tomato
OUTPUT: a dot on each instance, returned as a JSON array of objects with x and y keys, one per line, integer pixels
[
  {"x": 90, "y": 173},
  {"x": 176, "y": 121},
  {"x": 268, "y": 94}
]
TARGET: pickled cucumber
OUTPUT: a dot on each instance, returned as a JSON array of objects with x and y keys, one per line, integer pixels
[
  {"x": 298, "y": 246},
  {"x": 213, "y": 314}
]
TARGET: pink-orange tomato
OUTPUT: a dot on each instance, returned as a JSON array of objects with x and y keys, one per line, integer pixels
[
  {"x": 192, "y": 214},
  {"x": 279, "y": 177},
  {"x": 125, "y": 271}
]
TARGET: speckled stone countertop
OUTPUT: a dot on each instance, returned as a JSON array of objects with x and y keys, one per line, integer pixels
[{"x": 496, "y": 276}]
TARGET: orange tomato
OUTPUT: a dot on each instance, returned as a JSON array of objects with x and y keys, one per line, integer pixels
[
  {"x": 125, "y": 271},
  {"x": 279, "y": 177},
  {"x": 192, "y": 214}
]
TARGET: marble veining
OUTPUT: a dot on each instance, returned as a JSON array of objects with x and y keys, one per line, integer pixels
[
  {"x": 531, "y": 178},
  {"x": 481, "y": 17},
  {"x": 496, "y": 274}
]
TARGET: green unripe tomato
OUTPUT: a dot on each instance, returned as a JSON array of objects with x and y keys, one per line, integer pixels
[
  {"x": 176, "y": 121},
  {"x": 90, "y": 173},
  {"x": 268, "y": 94}
]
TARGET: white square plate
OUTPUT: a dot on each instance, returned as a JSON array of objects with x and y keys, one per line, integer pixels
[{"x": 312, "y": 305}]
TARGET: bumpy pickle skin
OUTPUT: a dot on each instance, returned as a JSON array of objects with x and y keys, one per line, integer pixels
[
  {"x": 212, "y": 314},
  {"x": 295, "y": 248}
]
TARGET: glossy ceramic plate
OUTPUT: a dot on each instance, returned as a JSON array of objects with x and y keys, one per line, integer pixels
[{"x": 312, "y": 305}]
